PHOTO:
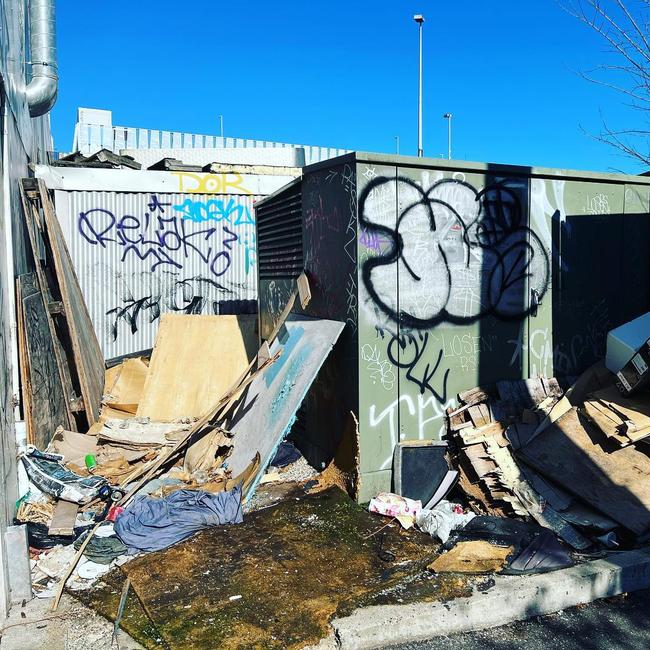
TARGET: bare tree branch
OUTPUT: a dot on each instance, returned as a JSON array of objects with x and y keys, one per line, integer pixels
[{"x": 623, "y": 27}]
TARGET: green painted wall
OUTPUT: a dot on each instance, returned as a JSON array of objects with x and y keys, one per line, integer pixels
[
  {"x": 471, "y": 275},
  {"x": 452, "y": 275}
]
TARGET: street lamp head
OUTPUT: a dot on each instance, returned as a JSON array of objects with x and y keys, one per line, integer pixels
[
  {"x": 418, "y": 18},
  {"x": 447, "y": 116}
]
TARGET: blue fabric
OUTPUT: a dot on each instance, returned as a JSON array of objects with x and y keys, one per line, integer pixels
[{"x": 150, "y": 524}]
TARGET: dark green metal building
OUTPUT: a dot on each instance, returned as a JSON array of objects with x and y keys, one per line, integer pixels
[{"x": 448, "y": 275}]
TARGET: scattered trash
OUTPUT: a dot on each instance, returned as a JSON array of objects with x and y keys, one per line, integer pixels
[
  {"x": 393, "y": 505},
  {"x": 49, "y": 475},
  {"x": 421, "y": 471},
  {"x": 442, "y": 519}
]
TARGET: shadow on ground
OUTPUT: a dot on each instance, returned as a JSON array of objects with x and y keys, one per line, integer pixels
[{"x": 621, "y": 623}]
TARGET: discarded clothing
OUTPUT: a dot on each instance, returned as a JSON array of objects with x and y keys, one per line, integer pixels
[
  {"x": 440, "y": 521},
  {"x": 393, "y": 505},
  {"x": 47, "y": 473},
  {"x": 536, "y": 549},
  {"x": 150, "y": 524},
  {"x": 542, "y": 554},
  {"x": 285, "y": 455},
  {"x": 39, "y": 537},
  {"x": 102, "y": 549}
]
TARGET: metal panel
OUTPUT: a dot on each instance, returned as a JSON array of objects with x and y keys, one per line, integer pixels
[
  {"x": 23, "y": 140},
  {"x": 91, "y": 137},
  {"x": 138, "y": 255},
  {"x": 277, "y": 156},
  {"x": 467, "y": 273}
]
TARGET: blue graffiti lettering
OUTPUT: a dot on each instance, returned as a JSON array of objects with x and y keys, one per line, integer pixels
[{"x": 161, "y": 240}]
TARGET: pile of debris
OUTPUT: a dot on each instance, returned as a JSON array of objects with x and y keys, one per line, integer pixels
[
  {"x": 567, "y": 460},
  {"x": 137, "y": 456},
  {"x": 103, "y": 159},
  {"x": 550, "y": 473}
]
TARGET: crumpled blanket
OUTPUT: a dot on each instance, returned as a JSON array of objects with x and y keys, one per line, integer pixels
[
  {"x": 440, "y": 521},
  {"x": 150, "y": 524}
]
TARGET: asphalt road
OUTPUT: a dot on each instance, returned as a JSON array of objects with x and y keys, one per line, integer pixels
[{"x": 616, "y": 623}]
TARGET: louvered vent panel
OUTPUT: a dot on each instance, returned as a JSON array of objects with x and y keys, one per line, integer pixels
[{"x": 279, "y": 235}]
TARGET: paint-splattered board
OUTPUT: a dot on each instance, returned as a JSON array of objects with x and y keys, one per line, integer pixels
[
  {"x": 196, "y": 359},
  {"x": 269, "y": 407}
]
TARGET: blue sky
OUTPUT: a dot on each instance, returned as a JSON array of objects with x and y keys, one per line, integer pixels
[{"x": 344, "y": 74}]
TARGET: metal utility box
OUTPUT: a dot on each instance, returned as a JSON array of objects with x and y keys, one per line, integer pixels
[{"x": 448, "y": 275}]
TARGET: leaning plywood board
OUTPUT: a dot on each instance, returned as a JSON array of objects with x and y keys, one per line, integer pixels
[
  {"x": 194, "y": 362},
  {"x": 269, "y": 407},
  {"x": 88, "y": 356},
  {"x": 617, "y": 484},
  {"x": 46, "y": 407}
]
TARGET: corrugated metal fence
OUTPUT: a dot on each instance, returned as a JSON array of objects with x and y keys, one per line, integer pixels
[
  {"x": 89, "y": 138},
  {"x": 138, "y": 255}
]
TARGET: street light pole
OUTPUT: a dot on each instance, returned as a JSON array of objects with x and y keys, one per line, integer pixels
[
  {"x": 448, "y": 117},
  {"x": 397, "y": 144},
  {"x": 221, "y": 124},
  {"x": 419, "y": 19}
]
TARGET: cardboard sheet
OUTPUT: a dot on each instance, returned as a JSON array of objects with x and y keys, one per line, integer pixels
[
  {"x": 269, "y": 408},
  {"x": 195, "y": 360}
]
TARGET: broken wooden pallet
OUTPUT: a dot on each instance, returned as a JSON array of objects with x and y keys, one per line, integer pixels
[{"x": 45, "y": 403}]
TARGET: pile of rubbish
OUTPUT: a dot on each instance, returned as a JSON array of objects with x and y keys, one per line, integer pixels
[
  {"x": 137, "y": 456},
  {"x": 546, "y": 476}
]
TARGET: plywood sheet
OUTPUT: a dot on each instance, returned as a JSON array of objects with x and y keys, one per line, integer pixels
[
  {"x": 617, "y": 483},
  {"x": 269, "y": 407},
  {"x": 46, "y": 406},
  {"x": 196, "y": 359},
  {"x": 125, "y": 385}
]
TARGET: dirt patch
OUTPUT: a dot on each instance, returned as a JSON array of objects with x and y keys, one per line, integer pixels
[{"x": 276, "y": 580}]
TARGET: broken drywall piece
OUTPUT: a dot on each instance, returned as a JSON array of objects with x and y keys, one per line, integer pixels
[{"x": 477, "y": 556}]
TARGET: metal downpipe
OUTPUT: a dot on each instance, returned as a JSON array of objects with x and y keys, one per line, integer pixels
[{"x": 42, "y": 89}]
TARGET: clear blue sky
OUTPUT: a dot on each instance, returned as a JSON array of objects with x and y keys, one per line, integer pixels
[{"x": 344, "y": 74}]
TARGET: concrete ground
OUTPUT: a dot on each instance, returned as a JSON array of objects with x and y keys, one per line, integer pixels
[
  {"x": 72, "y": 627},
  {"x": 612, "y": 623}
]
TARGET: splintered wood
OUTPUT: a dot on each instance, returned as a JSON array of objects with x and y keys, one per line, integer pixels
[
  {"x": 479, "y": 426},
  {"x": 624, "y": 420},
  {"x": 489, "y": 473}
]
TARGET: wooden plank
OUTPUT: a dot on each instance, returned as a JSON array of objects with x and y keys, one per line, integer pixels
[
  {"x": 23, "y": 364},
  {"x": 478, "y": 416},
  {"x": 617, "y": 484},
  {"x": 634, "y": 410},
  {"x": 473, "y": 396},
  {"x": 65, "y": 515},
  {"x": 47, "y": 406},
  {"x": 126, "y": 385},
  {"x": 195, "y": 360},
  {"x": 88, "y": 357},
  {"x": 40, "y": 281}
]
